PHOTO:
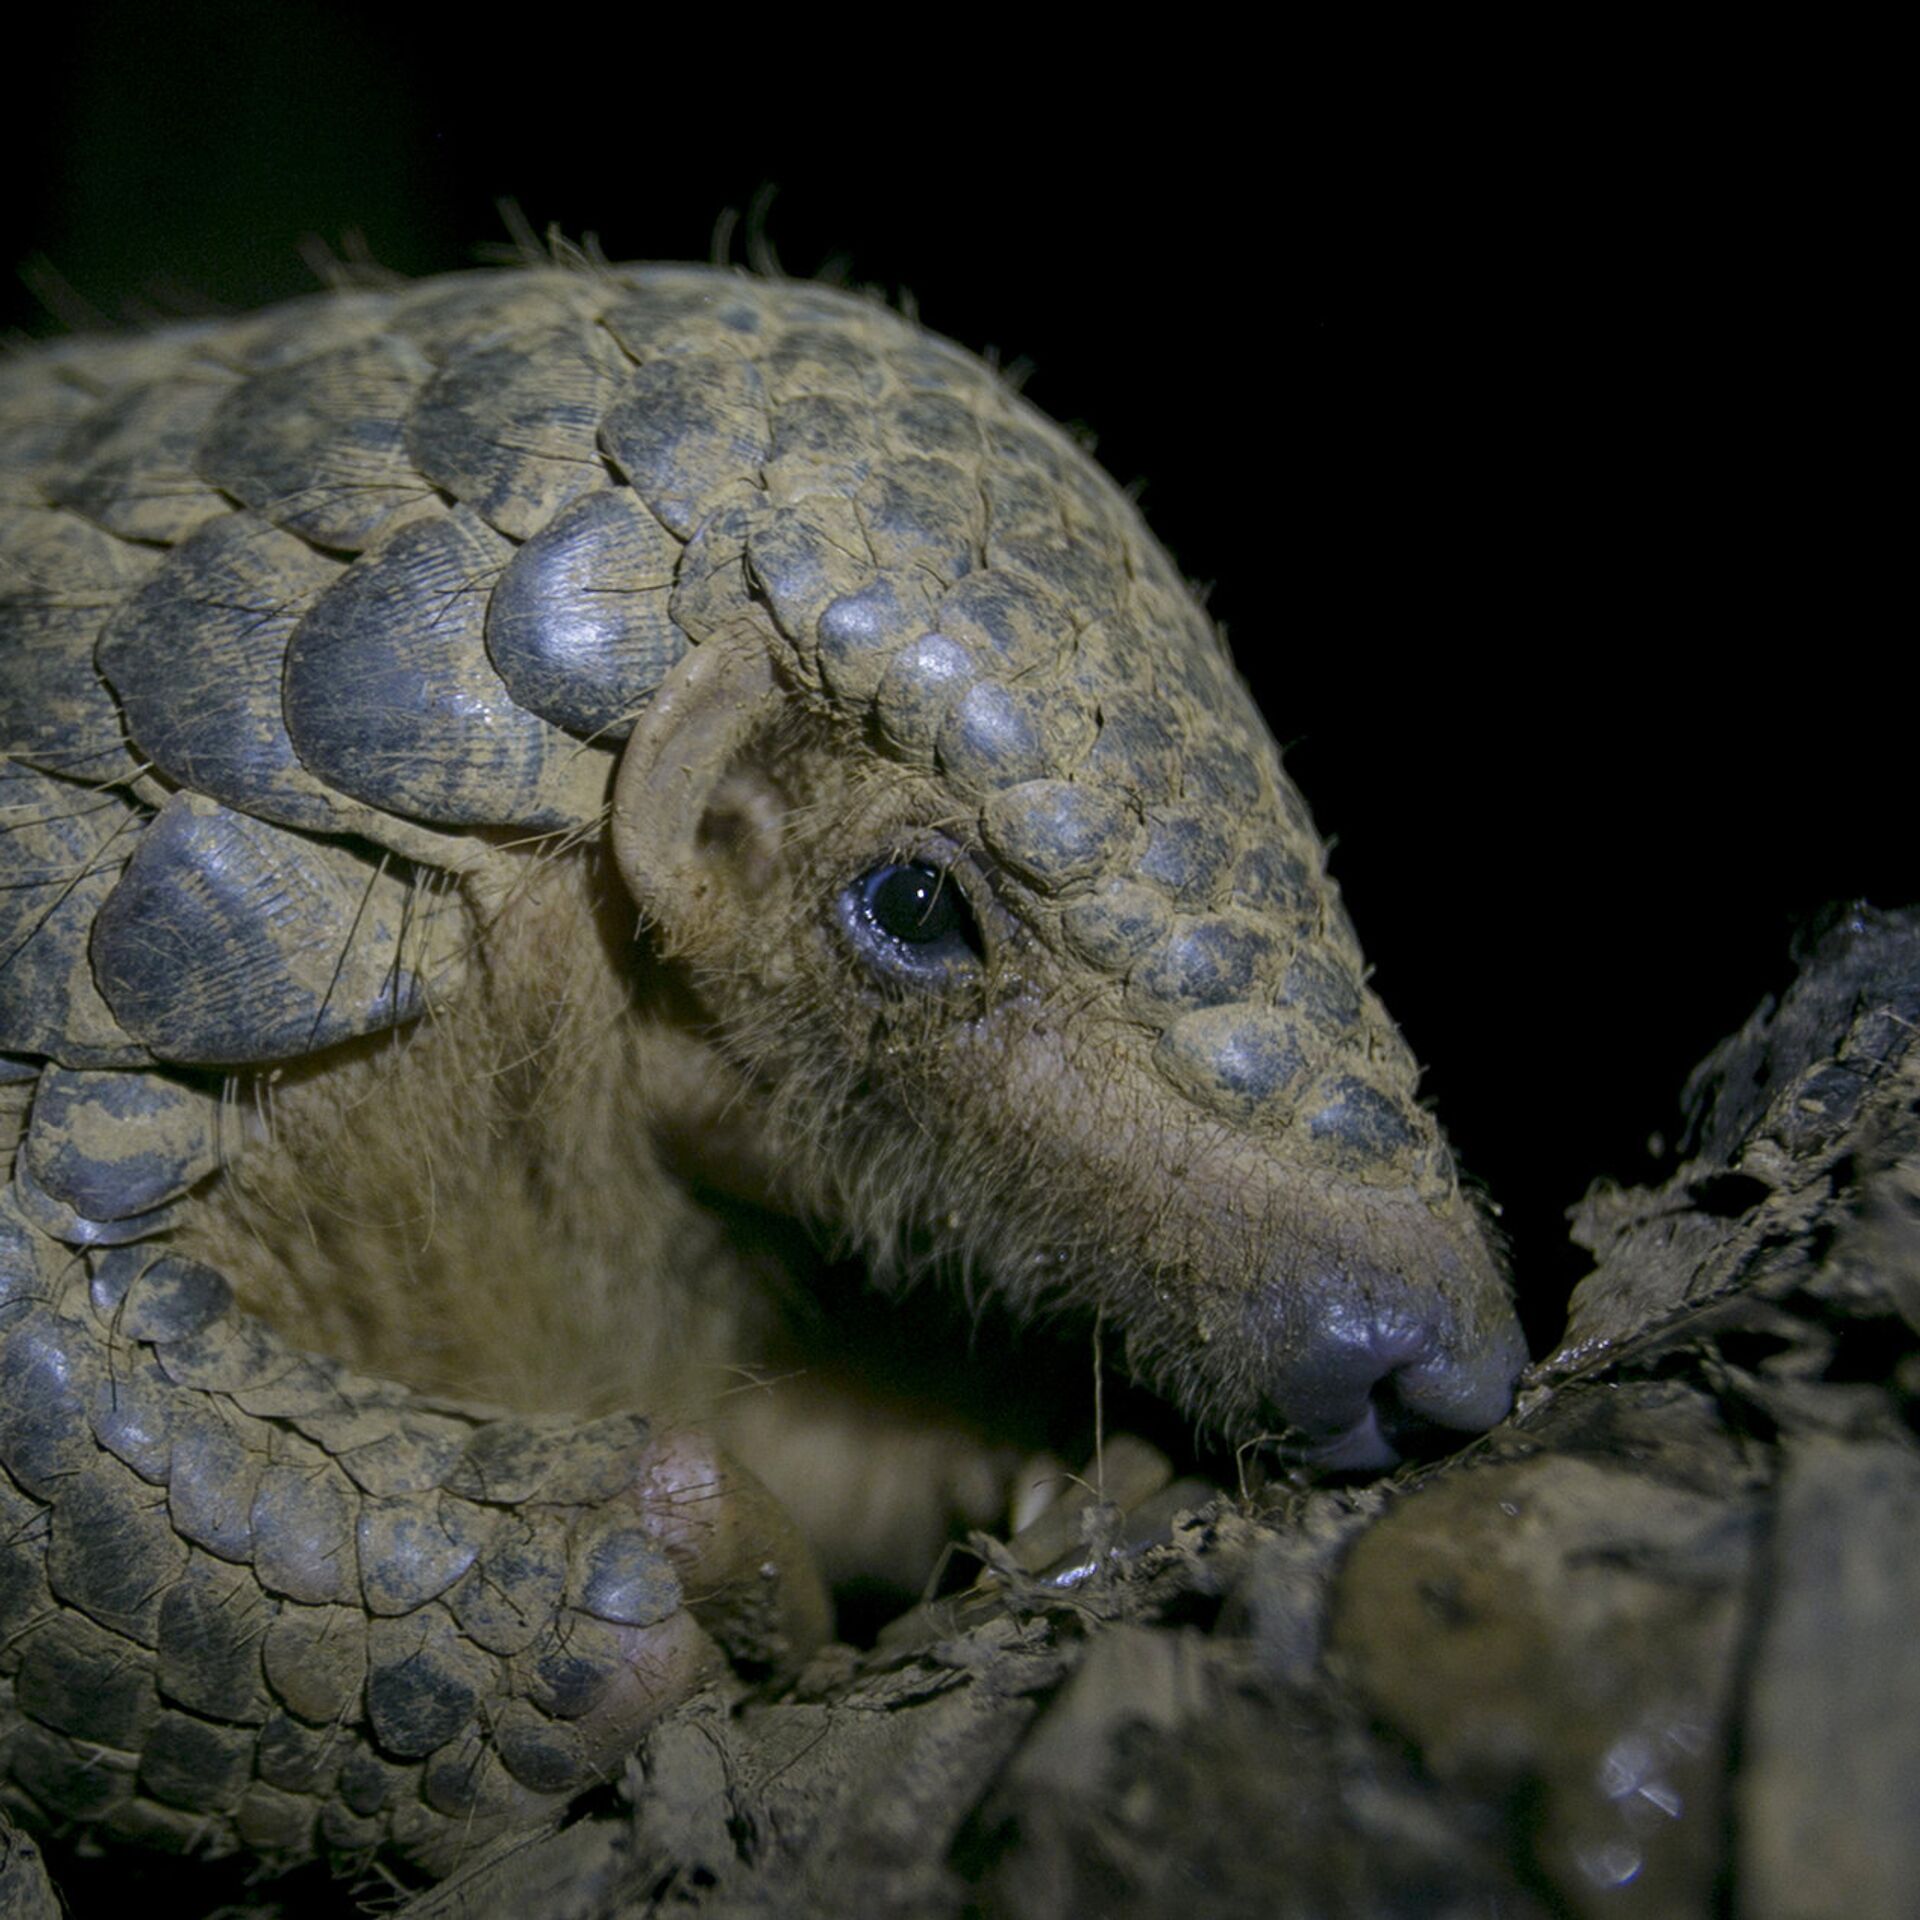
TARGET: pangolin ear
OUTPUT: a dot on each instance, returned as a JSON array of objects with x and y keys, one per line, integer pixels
[{"x": 694, "y": 824}]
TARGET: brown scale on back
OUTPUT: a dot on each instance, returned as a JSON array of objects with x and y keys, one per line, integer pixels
[{"x": 516, "y": 786}]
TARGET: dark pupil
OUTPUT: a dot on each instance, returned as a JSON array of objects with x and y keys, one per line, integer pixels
[{"x": 912, "y": 903}]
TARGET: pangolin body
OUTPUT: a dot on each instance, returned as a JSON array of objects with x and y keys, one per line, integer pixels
[{"x": 501, "y": 774}]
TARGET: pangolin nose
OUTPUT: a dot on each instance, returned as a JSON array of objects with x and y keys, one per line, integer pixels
[{"x": 1379, "y": 1367}]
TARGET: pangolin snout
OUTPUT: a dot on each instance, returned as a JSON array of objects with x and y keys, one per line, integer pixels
[{"x": 1368, "y": 1345}]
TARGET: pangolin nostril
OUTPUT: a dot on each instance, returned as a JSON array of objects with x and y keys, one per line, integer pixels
[
  {"x": 1468, "y": 1385},
  {"x": 1402, "y": 1416},
  {"x": 1408, "y": 1432},
  {"x": 1385, "y": 1370}
]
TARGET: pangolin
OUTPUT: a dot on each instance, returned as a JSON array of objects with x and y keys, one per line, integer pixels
[{"x": 536, "y": 801}]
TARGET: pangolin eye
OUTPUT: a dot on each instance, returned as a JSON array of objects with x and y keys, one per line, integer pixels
[
  {"x": 912, "y": 903},
  {"x": 911, "y": 920}
]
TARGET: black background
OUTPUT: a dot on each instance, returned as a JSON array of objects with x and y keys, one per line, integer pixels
[{"x": 1528, "y": 411}]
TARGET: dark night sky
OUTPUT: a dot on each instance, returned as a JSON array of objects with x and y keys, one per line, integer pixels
[{"x": 1532, "y": 451}]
